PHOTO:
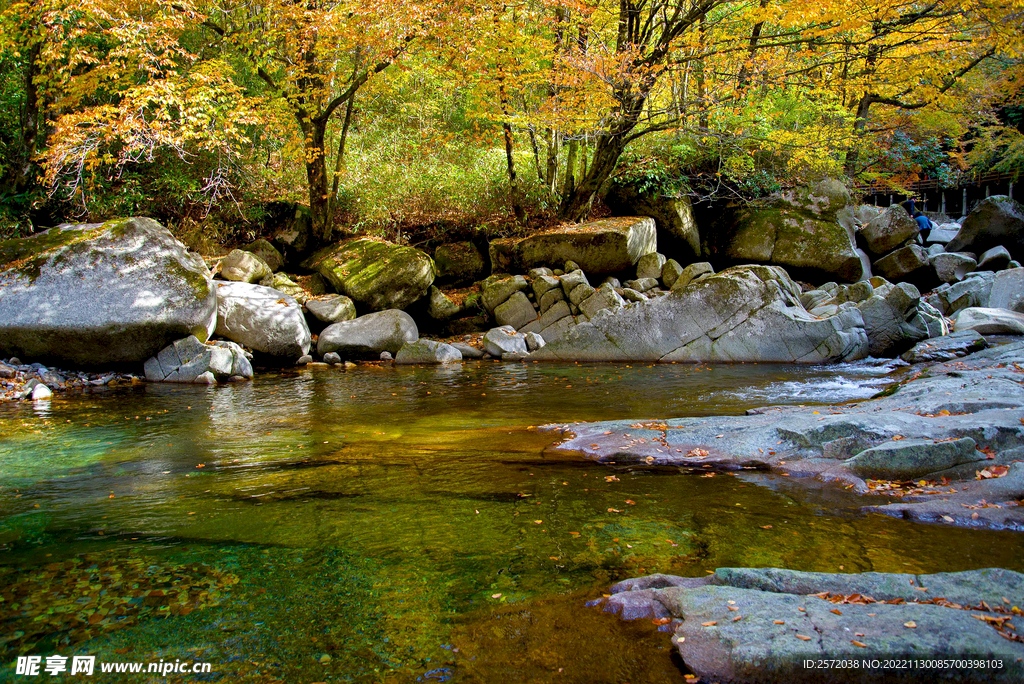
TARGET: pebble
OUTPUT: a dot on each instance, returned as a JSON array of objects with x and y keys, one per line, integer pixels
[{"x": 36, "y": 381}]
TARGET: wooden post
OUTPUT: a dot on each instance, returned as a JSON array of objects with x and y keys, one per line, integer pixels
[
  {"x": 942, "y": 201},
  {"x": 987, "y": 192},
  {"x": 963, "y": 207}
]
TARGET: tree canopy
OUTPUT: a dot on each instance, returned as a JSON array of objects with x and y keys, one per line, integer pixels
[{"x": 537, "y": 104}]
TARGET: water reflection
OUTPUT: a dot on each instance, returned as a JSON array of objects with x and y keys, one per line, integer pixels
[{"x": 379, "y": 514}]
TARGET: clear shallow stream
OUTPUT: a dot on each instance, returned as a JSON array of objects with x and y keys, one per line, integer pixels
[{"x": 389, "y": 524}]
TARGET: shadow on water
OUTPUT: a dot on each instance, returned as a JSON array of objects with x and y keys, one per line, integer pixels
[{"x": 405, "y": 524}]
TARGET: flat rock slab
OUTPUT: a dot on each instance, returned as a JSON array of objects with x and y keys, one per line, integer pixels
[
  {"x": 980, "y": 397},
  {"x": 946, "y": 348},
  {"x": 96, "y": 294},
  {"x": 605, "y": 246},
  {"x": 743, "y": 625}
]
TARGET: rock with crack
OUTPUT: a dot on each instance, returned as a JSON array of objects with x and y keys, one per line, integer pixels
[
  {"x": 189, "y": 360},
  {"x": 604, "y": 246},
  {"x": 747, "y": 313},
  {"x": 263, "y": 319},
  {"x": 742, "y": 625},
  {"x": 427, "y": 352}
]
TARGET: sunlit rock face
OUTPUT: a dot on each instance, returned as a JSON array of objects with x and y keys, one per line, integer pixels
[{"x": 95, "y": 294}]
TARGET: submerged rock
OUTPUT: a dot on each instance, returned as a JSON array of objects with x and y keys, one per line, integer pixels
[
  {"x": 946, "y": 347},
  {"x": 743, "y": 625},
  {"x": 93, "y": 294}
]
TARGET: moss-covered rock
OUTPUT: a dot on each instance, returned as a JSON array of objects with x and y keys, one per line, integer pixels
[
  {"x": 459, "y": 263},
  {"x": 96, "y": 294},
  {"x": 374, "y": 274},
  {"x": 798, "y": 230}
]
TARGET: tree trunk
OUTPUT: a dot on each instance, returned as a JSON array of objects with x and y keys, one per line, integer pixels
[
  {"x": 341, "y": 154},
  {"x": 576, "y": 206},
  {"x": 515, "y": 195},
  {"x": 316, "y": 175},
  {"x": 25, "y": 170},
  {"x": 860, "y": 122}
]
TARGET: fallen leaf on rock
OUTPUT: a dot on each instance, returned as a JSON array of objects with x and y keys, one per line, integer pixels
[
  {"x": 661, "y": 621},
  {"x": 836, "y": 611},
  {"x": 709, "y": 623},
  {"x": 737, "y": 618},
  {"x": 779, "y": 622},
  {"x": 801, "y": 637},
  {"x": 910, "y": 624},
  {"x": 858, "y": 643}
]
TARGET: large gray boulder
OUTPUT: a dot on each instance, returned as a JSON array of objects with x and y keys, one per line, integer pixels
[
  {"x": 951, "y": 267},
  {"x": 747, "y": 313},
  {"x": 946, "y": 347},
  {"x": 974, "y": 290},
  {"x": 262, "y": 319},
  {"x": 892, "y": 228},
  {"x": 605, "y": 246},
  {"x": 909, "y": 459},
  {"x": 504, "y": 340},
  {"x": 1008, "y": 290},
  {"x": 267, "y": 253},
  {"x": 94, "y": 294},
  {"x": 798, "y": 230},
  {"x": 996, "y": 221},
  {"x": 369, "y": 335},
  {"x": 374, "y": 274},
  {"x": 745, "y": 625}
]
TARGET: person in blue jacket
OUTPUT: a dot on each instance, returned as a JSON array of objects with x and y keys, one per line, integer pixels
[{"x": 924, "y": 224}]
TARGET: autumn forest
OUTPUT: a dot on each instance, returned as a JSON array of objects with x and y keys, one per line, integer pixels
[{"x": 385, "y": 117}]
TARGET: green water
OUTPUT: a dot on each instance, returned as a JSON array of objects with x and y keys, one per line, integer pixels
[{"x": 411, "y": 524}]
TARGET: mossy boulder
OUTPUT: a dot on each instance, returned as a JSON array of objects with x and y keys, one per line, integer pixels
[
  {"x": 376, "y": 275},
  {"x": 99, "y": 294},
  {"x": 798, "y": 230}
]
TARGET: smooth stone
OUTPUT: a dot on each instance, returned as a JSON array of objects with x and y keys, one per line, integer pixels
[
  {"x": 332, "y": 358},
  {"x": 468, "y": 351},
  {"x": 369, "y": 335},
  {"x": 903, "y": 263},
  {"x": 631, "y": 295},
  {"x": 427, "y": 352},
  {"x": 504, "y": 340},
  {"x": 996, "y": 221},
  {"x": 650, "y": 265},
  {"x": 440, "y": 307},
  {"x": 909, "y": 459},
  {"x": 1008, "y": 290},
  {"x": 670, "y": 273},
  {"x": 551, "y": 298},
  {"x": 303, "y": 360},
  {"x": 692, "y": 273},
  {"x": 267, "y": 253},
  {"x": 41, "y": 391},
  {"x": 888, "y": 231},
  {"x": 597, "y": 247},
  {"x": 951, "y": 267},
  {"x": 386, "y": 356},
  {"x": 262, "y": 319},
  {"x": 517, "y": 311},
  {"x": 642, "y": 284},
  {"x": 94, "y": 294},
  {"x": 374, "y": 274},
  {"x": 995, "y": 259},
  {"x": 534, "y": 341},
  {"x": 497, "y": 292},
  {"x": 602, "y": 300},
  {"x": 988, "y": 321},
  {"x": 331, "y": 308},
  {"x": 243, "y": 267}
]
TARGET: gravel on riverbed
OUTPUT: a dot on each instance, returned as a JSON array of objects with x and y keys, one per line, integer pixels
[{"x": 21, "y": 381}]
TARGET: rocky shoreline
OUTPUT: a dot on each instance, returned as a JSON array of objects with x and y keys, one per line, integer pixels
[
  {"x": 742, "y": 625},
  {"x": 944, "y": 446}
]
